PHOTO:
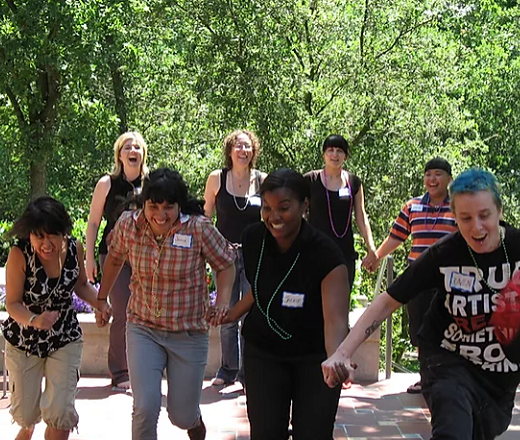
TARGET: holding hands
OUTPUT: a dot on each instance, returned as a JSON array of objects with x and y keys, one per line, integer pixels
[
  {"x": 337, "y": 369},
  {"x": 217, "y": 315},
  {"x": 371, "y": 261},
  {"x": 103, "y": 313}
]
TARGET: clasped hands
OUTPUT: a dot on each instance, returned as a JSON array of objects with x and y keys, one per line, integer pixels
[
  {"x": 217, "y": 315},
  {"x": 337, "y": 369},
  {"x": 103, "y": 313}
]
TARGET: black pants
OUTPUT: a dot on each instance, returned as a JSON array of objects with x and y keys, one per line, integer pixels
[
  {"x": 463, "y": 406},
  {"x": 273, "y": 383}
]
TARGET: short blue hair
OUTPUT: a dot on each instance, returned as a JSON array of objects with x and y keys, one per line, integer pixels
[{"x": 473, "y": 181}]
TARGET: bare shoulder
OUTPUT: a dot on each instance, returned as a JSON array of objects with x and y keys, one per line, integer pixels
[
  {"x": 213, "y": 181},
  {"x": 15, "y": 259}
]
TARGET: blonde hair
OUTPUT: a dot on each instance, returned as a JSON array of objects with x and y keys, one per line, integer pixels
[
  {"x": 118, "y": 146},
  {"x": 231, "y": 140}
]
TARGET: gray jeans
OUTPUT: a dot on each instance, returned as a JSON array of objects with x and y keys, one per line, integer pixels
[{"x": 184, "y": 355}]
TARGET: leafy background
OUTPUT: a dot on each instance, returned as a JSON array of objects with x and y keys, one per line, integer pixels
[{"x": 402, "y": 80}]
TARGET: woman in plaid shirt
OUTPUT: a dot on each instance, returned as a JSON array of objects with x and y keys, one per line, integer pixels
[{"x": 168, "y": 243}]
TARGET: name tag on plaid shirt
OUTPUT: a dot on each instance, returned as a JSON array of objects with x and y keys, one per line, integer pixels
[{"x": 182, "y": 241}]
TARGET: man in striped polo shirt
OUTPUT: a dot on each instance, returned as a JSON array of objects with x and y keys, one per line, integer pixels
[{"x": 427, "y": 218}]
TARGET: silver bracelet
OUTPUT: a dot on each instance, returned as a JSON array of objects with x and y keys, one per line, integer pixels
[{"x": 31, "y": 319}]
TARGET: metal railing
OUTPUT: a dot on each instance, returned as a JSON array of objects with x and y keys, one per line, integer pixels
[{"x": 387, "y": 265}]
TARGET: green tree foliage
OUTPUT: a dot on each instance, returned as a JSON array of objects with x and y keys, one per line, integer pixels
[{"x": 403, "y": 81}]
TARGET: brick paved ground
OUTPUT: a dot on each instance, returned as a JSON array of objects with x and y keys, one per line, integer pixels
[{"x": 379, "y": 411}]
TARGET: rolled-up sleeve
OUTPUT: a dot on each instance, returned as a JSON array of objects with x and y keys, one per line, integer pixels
[
  {"x": 118, "y": 243},
  {"x": 217, "y": 251}
]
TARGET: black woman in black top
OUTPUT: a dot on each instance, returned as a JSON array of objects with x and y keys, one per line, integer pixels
[{"x": 298, "y": 313}]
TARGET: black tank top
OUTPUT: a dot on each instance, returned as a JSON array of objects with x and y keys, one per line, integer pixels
[
  {"x": 120, "y": 191},
  {"x": 231, "y": 219},
  {"x": 340, "y": 208}
]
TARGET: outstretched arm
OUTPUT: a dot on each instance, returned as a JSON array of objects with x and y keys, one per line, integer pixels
[{"x": 337, "y": 368}]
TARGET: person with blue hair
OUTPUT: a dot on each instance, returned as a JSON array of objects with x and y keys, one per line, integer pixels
[{"x": 470, "y": 362}]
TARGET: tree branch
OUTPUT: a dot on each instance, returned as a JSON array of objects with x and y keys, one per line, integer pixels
[
  {"x": 16, "y": 107},
  {"x": 402, "y": 33},
  {"x": 362, "y": 34},
  {"x": 12, "y": 6},
  {"x": 362, "y": 133},
  {"x": 197, "y": 16}
]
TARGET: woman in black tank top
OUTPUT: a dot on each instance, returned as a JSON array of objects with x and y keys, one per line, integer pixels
[
  {"x": 335, "y": 195},
  {"x": 234, "y": 193},
  {"x": 107, "y": 201}
]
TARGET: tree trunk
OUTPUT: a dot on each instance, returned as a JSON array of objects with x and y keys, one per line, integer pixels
[{"x": 38, "y": 177}]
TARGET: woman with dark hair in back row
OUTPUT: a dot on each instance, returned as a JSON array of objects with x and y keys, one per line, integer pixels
[
  {"x": 42, "y": 333},
  {"x": 336, "y": 194},
  {"x": 298, "y": 308},
  {"x": 167, "y": 244}
]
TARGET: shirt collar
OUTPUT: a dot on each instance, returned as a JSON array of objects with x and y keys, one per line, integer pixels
[
  {"x": 298, "y": 244},
  {"x": 425, "y": 200}
]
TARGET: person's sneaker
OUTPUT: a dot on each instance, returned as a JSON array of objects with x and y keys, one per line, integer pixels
[{"x": 199, "y": 432}]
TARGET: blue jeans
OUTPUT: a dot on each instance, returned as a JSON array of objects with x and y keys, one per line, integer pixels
[
  {"x": 231, "y": 342},
  {"x": 184, "y": 356}
]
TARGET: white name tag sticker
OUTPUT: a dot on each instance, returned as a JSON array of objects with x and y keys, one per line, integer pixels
[
  {"x": 462, "y": 282},
  {"x": 416, "y": 208},
  {"x": 255, "y": 201},
  {"x": 293, "y": 300},
  {"x": 182, "y": 241},
  {"x": 344, "y": 192}
]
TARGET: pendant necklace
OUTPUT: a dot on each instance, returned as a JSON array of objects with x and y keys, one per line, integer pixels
[
  {"x": 330, "y": 209},
  {"x": 240, "y": 208},
  {"x": 157, "y": 312},
  {"x": 438, "y": 208},
  {"x": 270, "y": 321},
  {"x": 478, "y": 268}
]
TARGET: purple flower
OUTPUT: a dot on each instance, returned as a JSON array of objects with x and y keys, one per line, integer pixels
[
  {"x": 2, "y": 298},
  {"x": 212, "y": 297},
  {"x": 81, "y": 306}
]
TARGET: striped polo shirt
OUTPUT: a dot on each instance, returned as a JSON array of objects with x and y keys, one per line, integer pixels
[{"x": 426, "y": 223}]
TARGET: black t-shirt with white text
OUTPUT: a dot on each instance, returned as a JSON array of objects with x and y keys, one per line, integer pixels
[{"x": 458, "y": 319}]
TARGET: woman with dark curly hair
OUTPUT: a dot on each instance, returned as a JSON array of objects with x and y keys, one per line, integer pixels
[
  {"x": 43, "y": 337},
  {"x": 167, "y": 244}
]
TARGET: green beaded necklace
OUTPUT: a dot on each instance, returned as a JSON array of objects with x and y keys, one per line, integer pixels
[
  {"x": 275, "y": 327},
  {"x": 478, "y": 268}
]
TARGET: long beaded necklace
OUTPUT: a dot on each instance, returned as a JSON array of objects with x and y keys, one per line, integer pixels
[
  {"x": 438, "y": 208},
  {"x": 241, "y": 208},
  {"x": 478, "y": 268},
  {"x": 330, "y": 210},
  {"x": 158, "y": 311},
  {"x": 270, "y": 321}
]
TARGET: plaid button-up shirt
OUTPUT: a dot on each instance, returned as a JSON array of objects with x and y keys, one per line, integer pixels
[{"x": 179, "y": 288}]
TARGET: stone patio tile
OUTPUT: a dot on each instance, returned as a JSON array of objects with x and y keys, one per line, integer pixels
[
  {"x": 373, "y": 431},
  {"x": 404, "y": 415},
  {"x": 421, "y": 428}
]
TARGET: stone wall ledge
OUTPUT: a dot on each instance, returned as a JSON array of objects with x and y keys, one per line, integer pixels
[{"x": 94, "y": 360}]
